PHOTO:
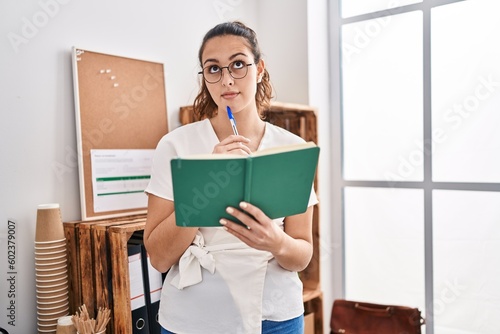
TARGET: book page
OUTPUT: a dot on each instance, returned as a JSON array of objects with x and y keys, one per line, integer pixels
[
  {"x": 267, "y": 151},
  {"x": 284, "y": 148}
]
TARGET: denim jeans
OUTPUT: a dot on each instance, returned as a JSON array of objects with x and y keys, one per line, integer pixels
[{"x": 292, "y": 326}]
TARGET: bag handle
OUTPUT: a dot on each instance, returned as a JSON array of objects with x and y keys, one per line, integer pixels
[{"x": 386, "y": 311}]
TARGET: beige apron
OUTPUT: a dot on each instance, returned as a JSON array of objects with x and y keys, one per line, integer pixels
[{"x": 242, "y": 268}]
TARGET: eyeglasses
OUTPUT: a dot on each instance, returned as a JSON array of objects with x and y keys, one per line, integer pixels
[{"x": 237, "y": 70}]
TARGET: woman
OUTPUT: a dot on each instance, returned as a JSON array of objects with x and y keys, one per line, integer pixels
[{"x": 230, "y": 279}]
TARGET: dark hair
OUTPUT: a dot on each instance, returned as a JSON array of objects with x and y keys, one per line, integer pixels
[{"x": 204, "y": 105}]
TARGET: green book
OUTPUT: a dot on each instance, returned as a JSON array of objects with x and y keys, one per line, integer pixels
[{"x": 278, "y": 180}]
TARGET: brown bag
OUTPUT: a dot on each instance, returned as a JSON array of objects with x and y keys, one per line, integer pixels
[{"x": 351, "y": 317}]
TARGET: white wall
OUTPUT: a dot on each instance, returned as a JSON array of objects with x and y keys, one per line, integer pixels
[
  {"x": 37, "y": 127},
  {"x": 283, "y": 37},
  {"x": 320, "y": 96}
]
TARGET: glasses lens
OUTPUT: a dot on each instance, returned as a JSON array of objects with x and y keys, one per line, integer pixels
[
  {"x": 212, "y": 73},
  {"x": 238, "y": 69}
]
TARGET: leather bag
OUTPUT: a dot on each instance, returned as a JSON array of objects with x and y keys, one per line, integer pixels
[{"x": 352, "y": 317}]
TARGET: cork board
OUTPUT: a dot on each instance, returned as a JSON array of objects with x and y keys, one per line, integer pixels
[{"x": 120, "y": 104}]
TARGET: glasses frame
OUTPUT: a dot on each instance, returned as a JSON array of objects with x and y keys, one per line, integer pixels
[{"x": 228, "y": 70}]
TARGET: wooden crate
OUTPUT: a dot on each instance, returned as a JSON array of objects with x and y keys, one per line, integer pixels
[
  {"x": 89, "y": 259},
  {"x": 118, "y": 239},
  {"x": 103, "y": 272}
]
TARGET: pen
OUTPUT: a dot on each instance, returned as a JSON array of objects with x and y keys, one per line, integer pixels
[{"x": 231, "y": 119}]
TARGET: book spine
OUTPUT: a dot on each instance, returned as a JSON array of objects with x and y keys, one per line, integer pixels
[{"x": 248, "y": 180}]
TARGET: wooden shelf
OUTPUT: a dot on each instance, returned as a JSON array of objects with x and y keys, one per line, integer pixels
[{"x": 309, "y": 295}]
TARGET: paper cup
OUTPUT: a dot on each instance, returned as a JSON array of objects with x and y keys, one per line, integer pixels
[
  {"x": 50, "y": 252},
  {"x": 51, "y": 247},
  {"x": 48, "y": 258},
  {"x": 56, "y": 313},
  {"x": 49, "y": 225},
  {"x": 50, "y": 287},
  {"x": 48, "y": 264},
  {"x": 65, "y": 326},
  {"x": 47, "y": 325},
  {"x": 56, "y": 310},
  {"x": 54, "y": 288},
  {"x": 48, "y": 293},
  {"x": 54, "y": 276},
  {"x": 47, "y": 328},
  {"x": 55, "y": 268},
  {"x": 44, "y": 281},
  {"x": 53, "y": 306},
  {"x": 54, "y": 298},
  {"x": 50, "y": 242},
  {"x": 50, "y": 319},
  {"x": 44, "y": 258},
  {"x": 53, "y": 302}
]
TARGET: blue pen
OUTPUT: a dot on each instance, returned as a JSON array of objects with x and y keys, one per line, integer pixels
[{"x": 231, "y": 119}]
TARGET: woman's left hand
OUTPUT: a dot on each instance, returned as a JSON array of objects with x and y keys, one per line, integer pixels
[{"x": 259, "y": 232}]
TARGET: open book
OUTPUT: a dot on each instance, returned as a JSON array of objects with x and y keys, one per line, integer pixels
[{"x": 278, "y": 180}]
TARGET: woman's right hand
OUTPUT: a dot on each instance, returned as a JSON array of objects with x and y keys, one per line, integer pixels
[{"x": 234, "y": 144}]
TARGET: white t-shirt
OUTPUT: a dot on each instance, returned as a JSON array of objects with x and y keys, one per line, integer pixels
[{"x": 216, "y": 304}]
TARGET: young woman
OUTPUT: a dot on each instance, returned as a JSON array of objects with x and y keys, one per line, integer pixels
[{"x": 230, "y": 279}]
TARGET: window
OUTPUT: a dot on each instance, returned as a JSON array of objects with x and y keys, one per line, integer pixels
[{"x": 419, "y": 87}]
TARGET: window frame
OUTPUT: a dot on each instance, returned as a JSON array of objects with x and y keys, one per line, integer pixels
[{"x": 336, "y": 139}]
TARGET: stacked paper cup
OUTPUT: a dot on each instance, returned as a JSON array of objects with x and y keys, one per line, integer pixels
[{"x": 51, "y": 268}]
